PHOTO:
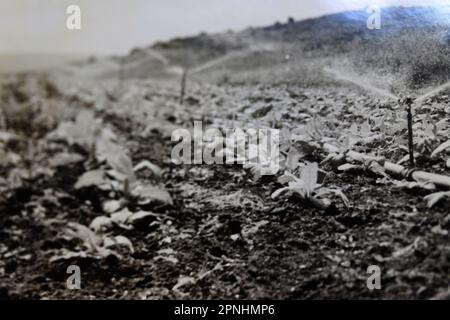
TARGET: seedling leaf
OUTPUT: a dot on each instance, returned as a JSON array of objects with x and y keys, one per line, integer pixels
[
  {"x": 441, "y": 148},
  {"x": 434, "y": 198},
  {"x": 151, "y": 193},
  {"x": 122, "y": 164},
  {"x": 150, "y": 166},
  {"x": 91, "y": 178},
  {"x": 309, "y": 176}
]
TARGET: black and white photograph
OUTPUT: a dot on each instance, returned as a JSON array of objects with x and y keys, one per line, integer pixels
[{"x": 238, "y": 150}]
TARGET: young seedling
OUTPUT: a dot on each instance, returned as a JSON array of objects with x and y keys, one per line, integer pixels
[
  {"x": 123, "y": 164},
  {"x": 84, "y": 131},
  {"x": 307, "y": 187}
]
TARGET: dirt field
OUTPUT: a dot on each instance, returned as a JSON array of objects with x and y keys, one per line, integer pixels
[{"x": 217, "y": 232}]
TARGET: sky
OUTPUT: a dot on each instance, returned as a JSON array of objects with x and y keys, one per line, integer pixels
[{"x": 116, "y": 26}]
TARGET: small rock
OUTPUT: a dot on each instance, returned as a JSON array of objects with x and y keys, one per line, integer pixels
[
  {"x": 64, "y": 159},
  {"x": 346, "y": 264},
  {"x": 438, "y": 230},
  {"x": 234, "y": 237},
  {"x": 101, "y": 223}
]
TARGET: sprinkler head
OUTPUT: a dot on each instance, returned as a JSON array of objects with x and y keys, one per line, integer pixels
[{"x": 406, "y": 101}]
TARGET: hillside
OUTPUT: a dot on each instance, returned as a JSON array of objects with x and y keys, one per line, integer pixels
[{"x": 409, "y": 51}]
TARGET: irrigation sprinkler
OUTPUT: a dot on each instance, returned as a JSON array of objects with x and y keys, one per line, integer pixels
[
  {"x": 183, "y": 85},
  {"x": 390, "y": 167},
  {"x": 408, "y": 103}
]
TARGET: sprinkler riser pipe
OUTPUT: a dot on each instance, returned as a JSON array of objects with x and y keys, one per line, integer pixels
[{"x": 408, "y": 103}]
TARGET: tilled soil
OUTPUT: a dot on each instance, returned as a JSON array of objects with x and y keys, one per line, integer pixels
[{"x": 226, "y": 237}]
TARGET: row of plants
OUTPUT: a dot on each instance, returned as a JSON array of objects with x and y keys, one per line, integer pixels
[
  {"x": 109, "y": 169},
  {"x": 365, "y": 146}
]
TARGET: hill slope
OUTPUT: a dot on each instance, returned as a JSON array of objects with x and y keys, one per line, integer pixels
[{"x": 410, "y": 51}]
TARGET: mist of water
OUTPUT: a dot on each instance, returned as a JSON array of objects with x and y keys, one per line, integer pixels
[
  {"x": 362, "y": 83},
  {"x": 255, "y": 47},
  {"x": 433, "y": 92},
  {"x": 216, "y": 62}
]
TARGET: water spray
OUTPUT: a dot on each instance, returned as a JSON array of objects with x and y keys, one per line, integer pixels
[{"x": 390, "y": 167}]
